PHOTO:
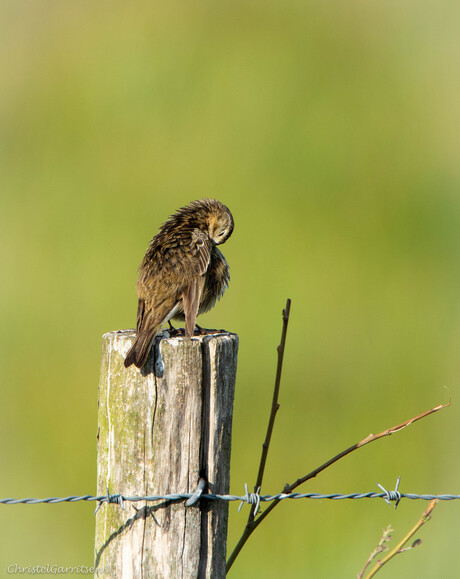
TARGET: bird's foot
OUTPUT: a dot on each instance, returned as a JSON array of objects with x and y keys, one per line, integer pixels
[
  {"x": 176, "y": 332},
  {"x": 199, "y": 331}
]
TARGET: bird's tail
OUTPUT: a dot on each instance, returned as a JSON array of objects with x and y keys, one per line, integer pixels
[{"x": 139, "y": 351}]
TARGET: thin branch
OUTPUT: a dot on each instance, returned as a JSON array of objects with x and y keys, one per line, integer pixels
[
  {"x": 266, "y": 445},
  {"x": 275, "y": 405},
  {"x": 250, "y": 528},
  {"x": 370, "y": 438},
  {"x": 416, "y": 543},
  {"x": 381, "y": 547},
  {"x": 367, "y": 440},
  {"x": 399, "y": 547}
]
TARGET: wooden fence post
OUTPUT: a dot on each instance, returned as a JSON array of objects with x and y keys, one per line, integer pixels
[{"x": 159, "y": 430}]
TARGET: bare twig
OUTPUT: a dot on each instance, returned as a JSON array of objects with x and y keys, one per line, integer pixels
[
  {"x": 251, "y": 527},
  {"x": 381, "y": 547},
  {"x": 367, "y": 440},
  {"x": 416, "y": 543},
  {"x": 275, "y": 405},
  {"x": 399, "y": 547},
  {"x": 370, "y": 438},
  {"x": 265, "y": 446}
]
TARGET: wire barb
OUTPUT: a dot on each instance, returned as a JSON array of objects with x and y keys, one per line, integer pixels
[
  {"x": 250, "y": 499},
  {"x": 116, "y": 499},
  {"x": 392, "y": 495}
]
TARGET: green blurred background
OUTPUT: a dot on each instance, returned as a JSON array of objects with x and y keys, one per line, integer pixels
[{"x": 331, "y": 130}]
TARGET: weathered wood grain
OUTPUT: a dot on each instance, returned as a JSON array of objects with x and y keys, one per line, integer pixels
[{"x": 158, "y": 434}]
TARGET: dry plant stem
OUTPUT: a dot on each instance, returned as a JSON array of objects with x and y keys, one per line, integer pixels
[
  {"x": 265, "y": 446},
  {"x": 250, "y": 528},
  {"x": 275, "y": 405},
  {"x": 367, "y": 440},
  {"x": 423, "y": 519},
  {"x": 381, "y": 547}
]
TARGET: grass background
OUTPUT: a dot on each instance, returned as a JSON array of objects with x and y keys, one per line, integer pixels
[{"x": 331, "y": 130}]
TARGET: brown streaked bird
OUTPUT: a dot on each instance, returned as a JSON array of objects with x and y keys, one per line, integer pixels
[{"x": 183, "y": 273}]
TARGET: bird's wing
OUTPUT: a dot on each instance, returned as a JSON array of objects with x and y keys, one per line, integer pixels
[
  {"x": 176, "y": 270},
  {"x": 140, "y": 312},
  {"x": 198, "y": 252},
  {"x": 148, "y": 323},
  {"x": 191, "y": 254},
  {"x": 151, "y": 318},
  {"x": 191, "y": 297}
]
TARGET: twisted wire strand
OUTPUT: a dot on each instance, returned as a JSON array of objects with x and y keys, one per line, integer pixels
[{"x": 252, "y": 499}]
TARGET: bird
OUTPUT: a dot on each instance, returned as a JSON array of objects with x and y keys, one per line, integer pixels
[{"x": 183, "y": 273}]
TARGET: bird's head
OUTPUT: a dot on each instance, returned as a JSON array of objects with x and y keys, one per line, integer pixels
[
  {"x": 210, "y": 216},
  {"x": 220, "y": 225}
]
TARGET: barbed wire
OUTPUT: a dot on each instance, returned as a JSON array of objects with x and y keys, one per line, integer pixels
[{"x": 248, "y": 498}]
